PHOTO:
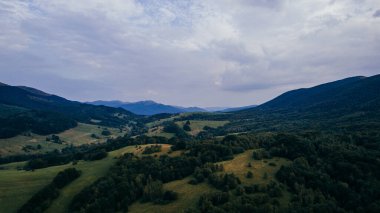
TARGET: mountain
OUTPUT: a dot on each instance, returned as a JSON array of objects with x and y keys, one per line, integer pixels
[
  {"x": 25, "y": 108},
  {"x": 347, "y": 95},
  {"x": 215, "y": 109},
  {"x": 148, "y": 107},
  {"x": 107, "y": 103},
  {"x": 348, "y": 104},
  {"x": 233, "y": 109}
]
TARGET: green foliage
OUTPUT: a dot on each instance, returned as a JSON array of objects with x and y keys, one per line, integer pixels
[
  {"x": 66, "y": 176},
  {"x": 260, "y": 154},
  {"x": 43, "y": 199},
  {"x": 187, "y": 127},
  {"x": 54, "y": 139},
  {"x": 152, "y": 149},
  {"x": 106, "y": 132},
  {"x": 331, "y": 168},
  {"x": 28, "y": 109},
  {"x": 152, "y": 191},
  {"x": 65, "y": 156},
  {"x": 130, "y": 179},
  {"x": 207, "y": 201},
  {"x": 204, "y": 172},
  {"x": 249, "y": 174},
  {"x": 224, "y": 181},
  {"x": 93, "y": 135},
  {"x": 171, "y": 127},
  {"x": 88, "y": 152},
  {"x": 38, "y": 122},
  {"x": 170, "y": 196}
]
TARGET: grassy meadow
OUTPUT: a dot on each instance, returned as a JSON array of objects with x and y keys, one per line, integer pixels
[
  {"x": 198, "y": 125},
  {"x": 77, "y": 136},
  {"x": 17, "y": 186},
  {"x": 188, "y": 194},
  {"x": 195, "y": 125},
  {"x": 158, "y": 131},
  {"x": 239, "y": 166},
  {"x": 178, "y": 116}
]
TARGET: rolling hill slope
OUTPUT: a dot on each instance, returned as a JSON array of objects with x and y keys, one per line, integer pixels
[
  {"x": 348, "y": 104},
  {"x": 350, "y": 94},
  {"x": 347, "y": 95},
  {"x": 25, "y": 108},
  {"x": 34, "y": 99}
]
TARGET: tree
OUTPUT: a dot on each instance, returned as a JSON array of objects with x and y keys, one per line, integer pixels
[
  {"x": 153, "y": 190},
  {"x": 106, "y": 132},
  {"x": 249, "y": 174},
  {"x": 187, "y": 127}
]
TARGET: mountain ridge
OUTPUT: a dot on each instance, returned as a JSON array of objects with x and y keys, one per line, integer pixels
[
  {"x": 346, "y": 93},
  {"x": 45, "y": 113},
  {"x": 350, "y": 104},
  {"x": 147, "y": 107}
]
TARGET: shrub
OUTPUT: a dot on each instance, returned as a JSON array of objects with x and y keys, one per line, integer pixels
[
  {"x": 106, "y": 132},
  {"x": 249, "y": 174}
]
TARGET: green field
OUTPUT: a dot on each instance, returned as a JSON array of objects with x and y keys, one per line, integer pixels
[
  {"x": 198, "y": 125},
  {"x": 195, "y": 125},
  {"x": 17, "y": 186},
  {"x": 158, "y": 131},
  {"x": 76, "y": 136},
  {"x": 239, "y": 166},
  {"x": 91, "y": 171},
  {"x": 188, "y": 194},
  {"x": 182, "y": 115}
]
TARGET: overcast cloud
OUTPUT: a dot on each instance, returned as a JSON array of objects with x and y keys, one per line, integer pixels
[{"x": 199, "y": 52}]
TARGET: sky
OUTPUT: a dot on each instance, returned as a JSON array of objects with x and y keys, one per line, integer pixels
[{"x": 186, "y": 52}]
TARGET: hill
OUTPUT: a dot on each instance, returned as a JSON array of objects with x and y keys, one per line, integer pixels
[
  {"x": 148, "y": 107},
  {"x": 349, "y": 104},
  {"x": 346, "y": 96},
  {"x": 233, "y": 109},
  {"x": 350, "y": 94},
  {"x": 25, "y": 108}
]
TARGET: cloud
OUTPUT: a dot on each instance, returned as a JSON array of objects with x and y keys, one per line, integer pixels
[
  {"x": 264, "y": 3},
  {"x": 233, "y": 52},
  {"x": 376, "y": 14}
]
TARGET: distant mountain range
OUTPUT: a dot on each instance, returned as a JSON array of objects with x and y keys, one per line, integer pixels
[
  {"x": 347, "y": 102},
  {"x": 147, "y": 107},
  {"x": 151, "y": 108}
]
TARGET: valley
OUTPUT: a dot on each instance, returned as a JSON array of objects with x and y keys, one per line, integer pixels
[
  {"x": 269, "y": 158},
  {"x": 150, "y": 106}
]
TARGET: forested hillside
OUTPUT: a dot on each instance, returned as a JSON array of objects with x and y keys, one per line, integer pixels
[
  {"x": 351, "y": 104},
  {"x": 24, "y": 109}
]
